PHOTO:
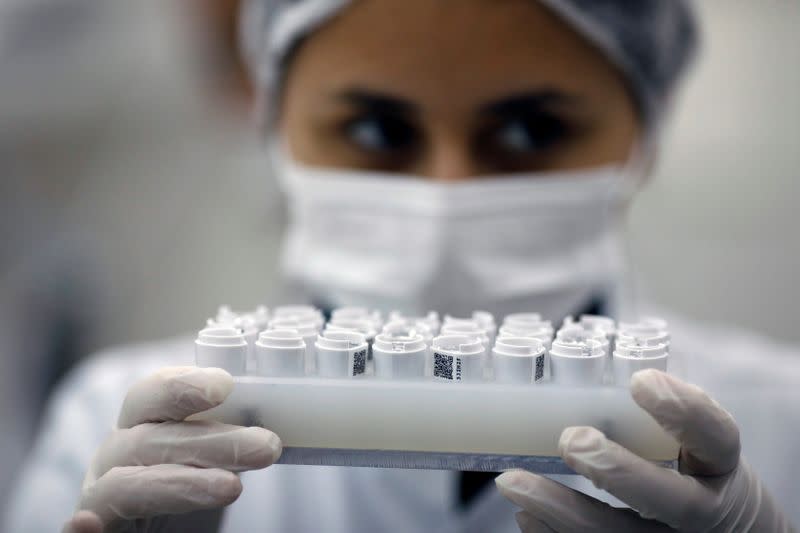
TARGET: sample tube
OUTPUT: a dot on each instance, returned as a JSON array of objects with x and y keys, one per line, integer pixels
[
  {"x": 363, "y": 326},
  {"x": 577, "y": 363},
  {"x": 632, "y": 357},
  {"x": 593, "y": 323},
  {"x": 526, "y": 318},
  {"x": 307, "y": 328},
  {"x": 458, "y": 358},
  {"x": 341, "y": 354},
  {"x": 400, "y": 356},
  {"x": 430, "y": 320},
  {"x": 358, "y": 313},
  {"x": 574, "y": 332},
  {"x": 223, "y": 348},
  {"x": 647, "y": 338},
  {"x": 542, "y": 333},
  {"x": 261, "y": 317},
  {"x": 401, "y": 327},
  {"x": 280, "y": 353},
  {"x": 302, "y": 313},
  {"x": 518, "y": 360}
]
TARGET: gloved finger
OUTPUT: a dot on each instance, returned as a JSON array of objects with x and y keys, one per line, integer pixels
[
  {"x": 83, "y": 522},
  {"x": 173, "y": 394},
  {"x": 657, "y": 493},
  {"x": 565, "y": 510},
  {"x": 708, "y": 434},
  {"x": 530, "y": 524},
  {"x": 201, "y": 444},
  {"x": 131, "y": 492}
]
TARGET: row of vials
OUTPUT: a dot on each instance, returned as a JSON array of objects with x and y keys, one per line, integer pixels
[{"x": 297, "y": 341}]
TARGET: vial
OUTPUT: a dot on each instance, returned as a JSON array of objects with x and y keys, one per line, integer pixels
[
  {"x": 302, "y": 313},
  {"x": 260, "y": 317},
  {"x": 577, "y": 362},
  {"x": 482, "y": 319},
  {"x": 307, "y": 328},
  {"x": 430, "y": 320},
  {"x": 632, "y": 357},
  {"x": 542, "y": 333},
  {"x": 458, "y": 358},
  {"x": 649, "y": 321},
  {"x": 399, "y": 327},
  {"x": 280, "y": 353},
  {"x": 574, "y": 332},
  {"x": 593, "y": 323},
  {"x": 223, "y": 348},
  {"x": 522, "y": 318},
  {"x": 363, "y": 326},
  {"x": 358, "y": 313},
  {"x": 518, "y": 360},
  {"x": 400, "y": 355},
  {"x": 647, "y": 338},
  {"x": 341, "y": 354}
]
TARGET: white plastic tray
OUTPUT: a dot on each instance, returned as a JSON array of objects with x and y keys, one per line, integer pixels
[{"x": 428, "y": 424}]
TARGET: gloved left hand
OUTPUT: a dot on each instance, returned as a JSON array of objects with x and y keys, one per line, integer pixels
[{"x": 714, "y": 490}]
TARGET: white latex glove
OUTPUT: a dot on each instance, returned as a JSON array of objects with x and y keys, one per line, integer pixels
[
  {"x": 158, "y": 465},
  {"x": 714, "y": 490}
]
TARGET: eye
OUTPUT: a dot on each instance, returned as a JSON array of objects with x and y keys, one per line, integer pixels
[
  {"x": 526, "y": 135},
  {"x": 381, "y": 133}
]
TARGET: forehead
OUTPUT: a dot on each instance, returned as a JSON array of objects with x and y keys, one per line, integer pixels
[{"x": 452, "y": 52}]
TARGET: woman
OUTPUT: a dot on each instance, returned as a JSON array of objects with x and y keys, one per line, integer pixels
[{"x": 395, "y": 122}]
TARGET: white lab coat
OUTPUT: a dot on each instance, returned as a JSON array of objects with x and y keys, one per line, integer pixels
[{"x": 757, "y": 381}]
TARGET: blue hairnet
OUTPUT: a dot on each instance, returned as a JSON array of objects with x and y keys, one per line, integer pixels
[{"x": 652, "y": 42}]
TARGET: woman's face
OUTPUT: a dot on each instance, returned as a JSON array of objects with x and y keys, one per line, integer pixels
[{"x": 454, "y": 89}]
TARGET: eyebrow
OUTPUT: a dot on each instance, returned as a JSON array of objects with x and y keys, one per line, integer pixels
[
  {"x": 378, "y": 101},
  {"x": 528, "y": 101}
]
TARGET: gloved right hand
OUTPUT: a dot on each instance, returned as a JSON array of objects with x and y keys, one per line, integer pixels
[{"x": 157, "y": 465}]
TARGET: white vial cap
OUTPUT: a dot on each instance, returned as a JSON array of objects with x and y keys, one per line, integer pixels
[
  {"x": 518, "y": 360},
  {"x": 587, "y": 348},
  {"x": 399, "y": 344},
  {"x": 519, "y": 347},
  {"x": 645, "y": 324},
  {"x": 431, "y": 319},
  {"x": 458, "y": 345},
  {"x": 577, "y": 333},
  {"x": 401, "y": 328},
  {"x": 522, "y": 318},
  {"x": 303, "y": 313},
  {"x": 281, "y": 338},
  {"x": 341, "y": 340},
  {"x": 365, "y": 327},
  {"x": 577, "y": 363},
  {"x": 280, "y": 353},
  {"x": 224, "y": 348},
  {"x": 537, "y": 332},
  {"x": 260, "y": 316},
  {"x": 221, "y": 336},
  {"x": 643, "y": 339},
  {"x": 640, "y": 351},
  {"x": 306, "y": 328},
  {"x": 470, "y": 329},
  {"x": 593, "y": 322}
]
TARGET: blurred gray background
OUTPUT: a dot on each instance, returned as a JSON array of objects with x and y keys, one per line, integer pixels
[{"x": 135, "y": 195}]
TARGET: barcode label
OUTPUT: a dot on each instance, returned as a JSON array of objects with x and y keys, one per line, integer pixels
[
  {"x": 359, "y": 362},
  {"x": 447, "y": 367},
  {"x": 538, "y": 372}
]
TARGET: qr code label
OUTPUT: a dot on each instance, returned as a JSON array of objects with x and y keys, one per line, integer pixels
[
  {"x": 359, "y": 362},
  {"x": 538, "y": 372},
  {"x": 447, "y": 367}
]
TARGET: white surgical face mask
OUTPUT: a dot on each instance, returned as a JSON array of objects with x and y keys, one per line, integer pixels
[{"x": 545, "y": 242}]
